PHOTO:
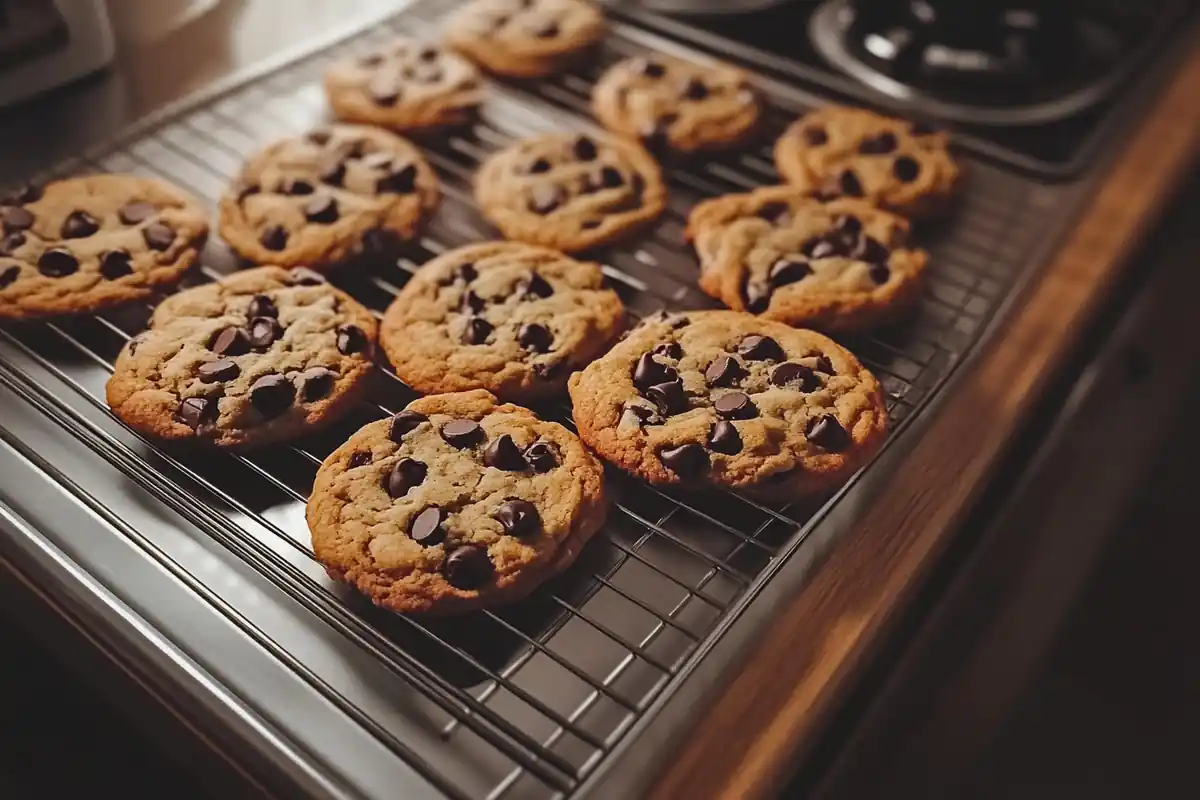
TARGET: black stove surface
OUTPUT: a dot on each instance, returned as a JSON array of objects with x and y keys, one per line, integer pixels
[{"x": 778, "y": 40}]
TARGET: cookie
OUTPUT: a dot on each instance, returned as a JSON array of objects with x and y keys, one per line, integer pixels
[
  {"x": 453, "y": 504},
  {"x": 261, "y": 356},
  {"x": 406, "y": 86},
  {"x": 333, "y": 195},
  {"x": 852, "y": 152},
  {"x": 511, "y": 318},
  {"x": 569, "y": 191},
  {"x": 727, "y": 400},
  {"x": 84, "y": 244},
  {"x": 836, "y": 265},
  {"x": 672, "y": 104},
  {"x": 525, "y": 38}
]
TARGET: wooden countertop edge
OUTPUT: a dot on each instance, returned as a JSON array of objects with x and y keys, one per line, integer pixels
[{"x": 746, "y": 745}]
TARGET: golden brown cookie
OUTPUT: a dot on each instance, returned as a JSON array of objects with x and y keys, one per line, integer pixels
[{"x": 525, "y": 38}]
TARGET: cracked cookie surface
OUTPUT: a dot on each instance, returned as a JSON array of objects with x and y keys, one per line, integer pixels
[
  {"x": 898, "y": 165},
  {"x": 404, "y": 85},
  {"x": 570, "y": 191},
  {"x": 836, "y": 265},
  {"x": 455, "y": 503},
  {"x": 84, "y": 244},
  {"x": 512, "y": 318},
  {"x": 330, "y": 196},
  {"x": 724, "y": 399},
  {"x": 525, "y": 38},
  {"x": 671, "y": 104},
  {"x": 262, "y": 356}
]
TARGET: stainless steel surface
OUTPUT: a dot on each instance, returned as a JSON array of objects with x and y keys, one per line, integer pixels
[{"x": 205, "y": 556}]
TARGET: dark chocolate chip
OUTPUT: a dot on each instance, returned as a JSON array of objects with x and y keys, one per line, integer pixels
[
  {"x": 819, "y": 248},
  {"x": 850, "y": 224},
  {"x": 827, "y": 432},
  {"x": 786, "y": 270},
  {"x": 669, "y": 397},
  {"x": 541, "y": 165},
  {"x": 669, "y": 350},
  {"x": 657, "y": 138},
  {"x": 775, "y": 212},
  {"x": 503, "y": 453},
  {"x": 333, "y": 172},
  {"x": 262, "y": 306},
  {"x": 8, "y": 275},
  {"x": 542, "y": 456},
  {"x": 477, "y": 330},
  {"x": 462, "y": 433},
  {"x": 791, "y": 372},
  {"x": 271, "y": 395},
  {"x": 535, "y": 337},
  {"x": 871, "y": 250},
  {"x": 584, "y": 149},
  {"x": 695, "y": 89},
  {"x": 264, "y": 331},
  {"x": 468, "y": 567},
  {"x": 815, "y": 136},
  {"x": 426, "y": 529},
  {"x": 384, "y": 93},
  {"x": 906, "y": 168},
  {"x": 545, "y": 198},
  {"x": 78, "y": 225},
  {"x": 849, "y": 183},
  {"x": 248, "y": 190},
  {"x": 760, "y": 348},
  {"x": 359, "y": 458},
  {"x": 644, "y": 415},
  {"x": 878, "y": 145},
  {"x": 58, "y": 263},
  {"x": 880, "y": 273},
  {"x": 231, "y": 341},
  {"x": 518, "y": 517},
  {"x": 472, "y": 302},
  {"x": 724, "y": 371},
  {"x": 10, "y": 243},
  {"x": 825, "y": 365},
  {"x": 591, "y": 224},
  {"x": 213, "y": 371},
  {"x": 650, "y": 68},
  {"x": 315, "y": 383},
  {"x": 303, "y": 276},
  {"x": 735, "y": 405},
  {"x": 28, "y": 193},
  {"x": 274, "y": 237},
  {"x": 649, "y": 372},
  {"x": 322, "y": 209},
  {"x": 686, "y": 461},
  {"x": 758, "y": 297},
  {"x": 724, "y": 438},
  {"x": 468, "y": 272},
  {"x": 351, "y": 339},
  {"x": 403, "y": 423},
  {"x": 115, "y": 264},
  {"x": 136, "y": 213},
  {"x": 404, "y": 475},
  {"x": 537, "y": 286},
  {"x": 547, "y": 30},
  {"x": 198, "y": 411},
  {"x": 158, "y": 235},
  {"x": 15, "y": 218},
  {"x": 402, "y": 180},
  {"x": 297, "y": 186},
  {"x": 428, "y": 54}
]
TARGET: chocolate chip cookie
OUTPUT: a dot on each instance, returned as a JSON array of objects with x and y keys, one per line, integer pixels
[
  {"x": 455, "y": 503},
  {"x": 404, "y": 85},
  {"x": 672, "y": 104},
  {"x": 570, "y": 191},
  {"x": 84, "y": 244},
  {"x": 262, "y": 356},
  {"x": 334, "y": 195},
  {"x": 837, "y": 265},
  {"x": 511, "y": 318},
  {"x": 723, "y": 399},
  {"x": 898, "y": 165},
  {"x": 525, "y": 38}
]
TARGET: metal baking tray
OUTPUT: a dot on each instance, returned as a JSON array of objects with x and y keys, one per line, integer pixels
[{"x": 204, "y": 559}]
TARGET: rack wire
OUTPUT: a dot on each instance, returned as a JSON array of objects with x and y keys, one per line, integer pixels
[{"x": 525, "y": 701}]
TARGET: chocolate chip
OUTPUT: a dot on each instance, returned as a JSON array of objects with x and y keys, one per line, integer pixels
[
  {"x": 642, "y": 415},
  {"x": 404, "y": 475},
  {"x": 472, "y": 302},
  {"x": 906, "y": 169},
  {"x": 333, "y": 172},
  {"x": 462, "y": 433},
  {"x": 477, "y": 330},
  {"x": 158, "y": 236},
  {"x": 880, "y": 273},
  {"x": 351, "y": 339},
  {"x": 428, "y": 54},
  {"x": 468, "y": 272},
  {"x": 468, "y": 567},
  {"x": 248, "y": 190},
  {"x": 669, "y": 350},
  {"x": 547, "y": 30},
  {"x": 535, "y": 337},
  {"x": 116, "y": 264},
  {"x": 786, "y": 270},
  {"x": 819, "y": 248},
  {"x": 274, "y": 237},
  {"x": 29, "y": 193},
  {"x": 384, "y": 93},
  {"x": 791, "y": 372},
  {"x": 271, "y": 395},
  {"x": 198, "y": 411},
  {"x": 542, "y": 456},
  {"x": 297, "y": 187},
  {"x": 650, "y": 68},
  {"x": 724, "y": 371},
  {"x": 657, "y": 138},
  {"x": 537, "y": 286},
  {"x": 686, "y": 461},
  {"x": 871, "y": 250},
  {"x": 503, "y": 453},
  {"x": 213, "y": 371},
  {"x": 735, "y": 405},
  {"x": 426, "y": 529},
  {"x": 359, "y": 458},
  {"x": 548, "y": 370},
  {"x": 649, "y": 372},
  {"x": 57, "y": 263},
  {"x": 402, "y": 180},
  {"x": 231, "y": 341},
  {"x": 591, "y": 224},
  {"x": 827, "y": 432},
  {"x": 322, "y": 209},
  {"x": 262, "y": 306},
  {"x": 760, "y": 348},
  {"x": 403, "y": 423},
  {"x": 545, "y": 198},
  {"x": 8, "y": 275},
  {"x": 775, "y": 212},
  {"x": 825, "y": 365},
  {"x": 849, "y": 224},
  {"x": 264, "y": 331},
  {"x": 15, "y": 218},
  {"x": 518, "y": 517},
  {"x": 355, "y": 148},
  {"x": 724, "y": 438},
  {"x": 584, "y": 149},
  {"x": 758, "y": 297},
  {"x": 78, "y": 225},
  {"x": 303, "y": 276},
  {"x": 541, "y": 165},
  {"x": 136, "y": 213},
  {"x": 10, "y": 243},
  {"x": 878, "y": 145},
  {"x": 315, "y": 383},
  {"x": 849, "y": 184},
  {"x": 607, "y": 177},
  {"x": 669, "y": 397},
  {"x": 695, "y": 89},
  {"x": 815, "y": 136}
]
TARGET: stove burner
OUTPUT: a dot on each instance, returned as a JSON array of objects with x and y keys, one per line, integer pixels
[{"x": 1000, "y": 62}]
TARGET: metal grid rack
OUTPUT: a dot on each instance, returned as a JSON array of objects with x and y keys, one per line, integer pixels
[{"x": 527, "y": 701}]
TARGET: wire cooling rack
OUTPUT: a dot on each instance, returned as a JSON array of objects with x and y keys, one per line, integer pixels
[{"x": 527, "y": 701}]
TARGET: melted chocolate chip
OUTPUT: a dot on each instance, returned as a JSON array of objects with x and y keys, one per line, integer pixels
[
  {"x": 271, "y": 395},
  {"x": 880, "y": 273},
  {"x": 472, "y": 302},
  {"x": 650, "y": 68},
  {"x": 462, "y": 433},
  {"x": 878, "y": 145},
  {"x": 303, "y": 276},
  {"x": 467, "y": 272},
  {"x": 825, "y": 365},
  {"x": 404, "y": 475},
  {"x": 760, "y": 348},
  {"x": 316, "y": 383},
  {"x": 213, "y": 371},
  {"x": 403, "y": 423},
  {"x": 136, "y": 213},
  {"x": 351, "y": 340},
  {"x": 819, "y": 248},
  {"x": 669, "y": 397},
  {"x": 545, "y": 198},
  {"x": 535, "y": 337},
  {"x": 58, "y": 263},
  {"x": 384, "y": 93},
  {"x": 777, "y": 213},
  {"x": 158, "y": 236},
  {"x": 542, "y": 456},
  {"x": 333, "y": 172},
  {"x": 724, "y": 438},
  {"x": 537, "y": 286},
  {"x": 649, "y": 372},
  {"x": 468, "y": 567},
  {"x": 541, "y": 165},
  {"x": 262, "y": 306},
  {"x": 10, "y": 243},
  {"x": 426, "y": 529},
  {"x": 758, "y": 297},
  {"x": 116, "y": 264},
  {"x": 298, "y": 187},
  {"x": 264, "y": 331},
  {"x": 518, "y": 517},
  {"x": 274, "y": 237},
  {"x": 906, "y": 169},
  {"x": 607, "y": 177},
  {"x": 849, "y": 224},
  {"x": 322, "y": 209},
  {"x": 198, "y": 411},
  {"x": 849, "y": 183},
  {"x": 791, "y": 372},
  {"x": 669, "y": 350},
  {"x": 79, "y": 224},
  {"x": 786, "y": 270},
  {"x": 724, "y": 371},
  {"x": 584, "y": 149},
  {"x": 359, "y": 458},
  {"x": 591, "y": 224},
  {"x": 8, "y": 275},
  {"x": 827, "y": 432},
  {"x": 643, "y": 415},
  {"x": 477, "y": 330},
  {"x": 815, "y": 136},
  {"x": 695, "y": 89},
  {"x": 15, "y": 218},
  {"x": 403, "y": 180},
  {"x": 320, "y": 136},
  {"x": 686, "y": 461},
  {"x": 871, "y": 250},
  {"x": 546, "y": 30},
  {"x": 248, "y": 190},
  {"x": 735, "y": 405},
  {"x": 503, "y": 453},
  {"x": 231, "y": 341},
  {"x": 657, "y": 138}
]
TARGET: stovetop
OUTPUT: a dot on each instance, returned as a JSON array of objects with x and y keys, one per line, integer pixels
[{"x": 1049, "y": 136}]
